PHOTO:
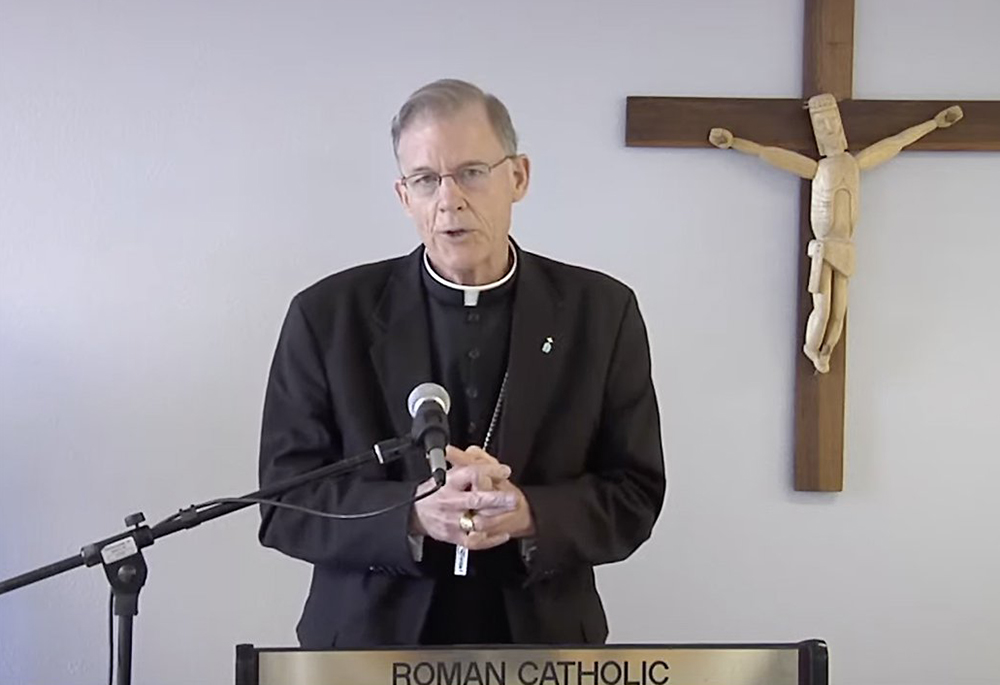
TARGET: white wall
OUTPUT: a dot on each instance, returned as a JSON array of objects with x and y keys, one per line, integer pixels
[{"x": 172, "y": 172}]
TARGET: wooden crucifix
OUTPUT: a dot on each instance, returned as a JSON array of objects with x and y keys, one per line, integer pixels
[{"x": 828, "y": 66}]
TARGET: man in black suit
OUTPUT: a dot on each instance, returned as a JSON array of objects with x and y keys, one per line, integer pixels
[{"x": 557, "y": 464}]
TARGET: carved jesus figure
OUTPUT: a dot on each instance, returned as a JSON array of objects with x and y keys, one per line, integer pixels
[{"x": 834, "y": 208}]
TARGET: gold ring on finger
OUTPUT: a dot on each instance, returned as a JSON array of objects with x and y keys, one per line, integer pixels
[{"x": 466, "y": 522}]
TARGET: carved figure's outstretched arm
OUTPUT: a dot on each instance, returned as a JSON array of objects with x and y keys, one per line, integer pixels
[
  {"x": 800, "y": 165},
  {"x": 886, "y": 149}
]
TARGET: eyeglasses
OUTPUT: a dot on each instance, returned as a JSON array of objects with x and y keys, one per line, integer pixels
[{"x": 470, "y": 177}]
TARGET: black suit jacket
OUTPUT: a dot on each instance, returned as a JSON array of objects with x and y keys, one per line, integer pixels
[{"x": 580, "y": 431}]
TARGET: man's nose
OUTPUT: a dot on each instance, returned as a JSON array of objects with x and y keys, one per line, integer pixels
[{"x": 450, "y": 195}]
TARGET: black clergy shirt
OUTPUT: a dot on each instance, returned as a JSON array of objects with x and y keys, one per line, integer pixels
[{"x": 470, "y": 340}]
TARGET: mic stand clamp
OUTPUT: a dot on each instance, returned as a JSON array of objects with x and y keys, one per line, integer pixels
[{"x": 126, "y": 569}]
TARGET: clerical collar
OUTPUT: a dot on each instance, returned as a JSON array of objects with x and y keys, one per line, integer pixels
[{"x": 468, "y": 295}]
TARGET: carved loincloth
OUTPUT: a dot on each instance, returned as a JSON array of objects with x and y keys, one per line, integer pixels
[{"x": 839, "y": 254}]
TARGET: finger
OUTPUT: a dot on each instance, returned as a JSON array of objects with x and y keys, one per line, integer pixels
[
  {"x": 490, "y": 513},
  {"x": 481, "y": 455},
  {"x": 493, "y": 524},
  {"x": 506, "y": 486},
  {"x": 464, "y": 477},
  {"x": 472, "y": 455},
  {"x": 478, "y": 540},
  {"x": 494, "y": 511},
  {"x": 457, "y": 457},
  {"x": 484, "y": 482},
  {"x": 491, "y": 500}
]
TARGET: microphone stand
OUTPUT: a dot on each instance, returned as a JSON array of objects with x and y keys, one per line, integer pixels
[{"x": 122, "y": 557}]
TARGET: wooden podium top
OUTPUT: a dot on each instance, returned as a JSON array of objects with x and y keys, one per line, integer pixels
[{"x": 802, "y": 663}]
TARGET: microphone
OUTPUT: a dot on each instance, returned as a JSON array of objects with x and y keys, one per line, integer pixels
[{"x": 429, "y": 404}]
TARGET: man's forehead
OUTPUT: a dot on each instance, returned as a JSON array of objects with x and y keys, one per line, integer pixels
[{"x": 464, "y": 135}]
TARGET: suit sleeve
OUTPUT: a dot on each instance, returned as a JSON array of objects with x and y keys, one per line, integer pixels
[
  {"x": 604, "y": 515},
  {"x": 298, "y": 434}
]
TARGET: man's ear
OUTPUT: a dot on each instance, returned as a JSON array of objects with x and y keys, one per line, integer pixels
[
  {"x": 403, "y": 194},
  {"x": 522, "y": 175}
]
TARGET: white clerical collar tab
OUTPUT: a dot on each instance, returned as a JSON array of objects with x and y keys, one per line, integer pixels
[{"x": 470, "y": 293}]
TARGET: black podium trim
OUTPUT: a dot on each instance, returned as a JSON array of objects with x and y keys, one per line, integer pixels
[
  {"x": 814, "y": 663},
  {"x": 247, "y": 665}
]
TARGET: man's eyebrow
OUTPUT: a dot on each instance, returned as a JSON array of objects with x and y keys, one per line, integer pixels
[
  {"x": 419, "y": 170},
  {"x": 427, "y": 169}
]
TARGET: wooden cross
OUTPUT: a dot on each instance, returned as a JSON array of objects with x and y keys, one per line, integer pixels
[{"x": 828, "y": 66}]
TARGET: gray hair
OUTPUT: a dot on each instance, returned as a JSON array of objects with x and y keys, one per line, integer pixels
[{"x": 445, "y": 97}]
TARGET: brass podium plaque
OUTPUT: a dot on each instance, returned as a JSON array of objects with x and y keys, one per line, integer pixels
[{"x": 612, "y": 665}]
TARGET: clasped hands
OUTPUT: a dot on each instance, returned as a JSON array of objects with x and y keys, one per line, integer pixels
[{"x": 477, "y": 484}]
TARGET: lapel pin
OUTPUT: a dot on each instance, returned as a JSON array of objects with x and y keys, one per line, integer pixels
[{"x": 547, "y": 345}]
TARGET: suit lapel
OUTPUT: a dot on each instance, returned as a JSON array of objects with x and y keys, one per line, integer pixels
[
  {"x": 538, "y": 348},
  {"x": 400, "y": 349}
]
